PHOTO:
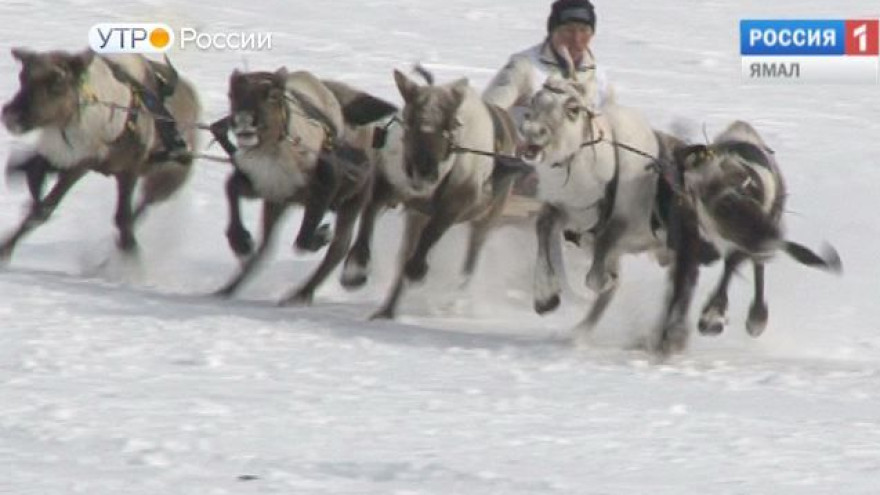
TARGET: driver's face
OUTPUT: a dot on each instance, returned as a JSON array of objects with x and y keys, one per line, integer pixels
[{"x": 575, "y": 36}]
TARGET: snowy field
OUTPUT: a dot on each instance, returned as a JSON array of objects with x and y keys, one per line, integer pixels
[{"x": 128, "y": 379}]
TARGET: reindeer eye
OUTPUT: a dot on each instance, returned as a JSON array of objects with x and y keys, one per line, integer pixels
[{"x": 55, "y": 84}]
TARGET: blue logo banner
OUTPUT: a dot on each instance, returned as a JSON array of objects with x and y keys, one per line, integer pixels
[{"x": 792, "y": 37}]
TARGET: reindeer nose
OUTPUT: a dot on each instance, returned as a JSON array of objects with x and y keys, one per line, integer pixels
[
  {"x": 535, "y": 130},
  {"x": 243, "y": 119},
  {"x": 10, "y": 117}
]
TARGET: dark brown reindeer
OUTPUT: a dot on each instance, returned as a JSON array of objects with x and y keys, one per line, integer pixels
[
  {"x": 439, "y": 164},
  {"x": 738, "y": 192},
  {"x": 91, "y": 114},
  {"x": 295, "y": 144}
]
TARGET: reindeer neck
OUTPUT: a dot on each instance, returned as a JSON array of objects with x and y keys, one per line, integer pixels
[
  {"x": 475, "y": 130},
  {"x": 103, "y": 100}
]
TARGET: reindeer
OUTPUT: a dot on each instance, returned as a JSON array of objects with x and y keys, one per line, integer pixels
[
  {"x": 739, "y": 194},
  {"x": 599, "y": 182},
  {"x": 295, "y": 144},
  {"x": 90, "y": 114},
  {"x": 440, "y": 163}
]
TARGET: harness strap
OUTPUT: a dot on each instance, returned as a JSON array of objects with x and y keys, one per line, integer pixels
[
  {"x": 314, "y": 113},
  {"x": 505, "y": 130}
]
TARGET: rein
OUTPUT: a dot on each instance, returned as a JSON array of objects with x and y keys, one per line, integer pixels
[
  {"x": 381, "y": 135},
  {"x": 586, "y": 144}
]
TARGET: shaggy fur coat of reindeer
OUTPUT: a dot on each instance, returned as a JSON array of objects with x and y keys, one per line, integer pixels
[
  {"x": 737, "y": 189},
  {"x": 88, "y": 112},
  {"x": 599, "y": 181},
  {"x": 439, "y": 169},
  {"x": 297, "y": 144}
]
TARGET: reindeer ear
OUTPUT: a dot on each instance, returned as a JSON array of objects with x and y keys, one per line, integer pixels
[
  {"x": 23, "y": 55},
  {"x": 281, "y": 76},
  {"x": 688, "y": 157},
  {"x": 80, "y": 62},
  {"x": 406, "y": 87},
  {"x": 459, "y": 90}
]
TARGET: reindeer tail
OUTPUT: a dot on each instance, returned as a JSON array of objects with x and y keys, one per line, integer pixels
[{"x": 828, "y": 260}]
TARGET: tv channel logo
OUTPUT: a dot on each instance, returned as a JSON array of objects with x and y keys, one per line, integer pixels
[
  {"x": 130, "y": 37},
  {"x": 844, "y": 51}
]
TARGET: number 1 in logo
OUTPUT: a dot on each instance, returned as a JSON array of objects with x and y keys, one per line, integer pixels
[{"x": 861, "y": 37}]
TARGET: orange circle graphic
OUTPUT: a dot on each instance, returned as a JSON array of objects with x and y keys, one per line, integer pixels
[{"x": 159, "y": 37}]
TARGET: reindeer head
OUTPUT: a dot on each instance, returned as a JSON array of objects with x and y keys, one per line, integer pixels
[
  {"x": 429, "y": 119},
  {"x": 557, "y": 123},
  {"x": 49, "y": 90},
  {"x": 258, "y": 107}
]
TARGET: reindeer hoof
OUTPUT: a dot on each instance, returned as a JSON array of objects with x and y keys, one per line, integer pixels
[
  {"x": 547, "y": 305},
  {"x": 240, "y": 242},
  {"x": 353, "y": 281},
  {"x": 317, "y": 241},
  {"x": 224, "y": 293},
  {"x": 382, "y": 314},
  {"x": 299, "y": 299},
  {"x": 757, "y": 322},
  {"x": 711, "y": 323},
  {"x": 127, "y": 244},
  {"x": 601, "y": 282},
  {"x": 415, "y": 270},
  {"x": 6, "y": 254},
  {"x": 673, "y": 340}
]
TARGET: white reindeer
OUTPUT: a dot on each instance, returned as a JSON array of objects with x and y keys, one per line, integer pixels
[{"x": 598, "y": 182}]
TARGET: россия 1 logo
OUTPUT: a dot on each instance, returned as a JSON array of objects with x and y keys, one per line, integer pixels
[{"x": 790, "y": 50}]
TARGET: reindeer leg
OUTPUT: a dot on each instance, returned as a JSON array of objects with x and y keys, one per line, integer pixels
[
  {"x": 480, "y": 229},
  {"x": 346, "y": 216},
  {"x": 271, "y": 214},
  {"x": 599, "y": 306},
  {"x": 357, "y": 264},
  {"x": 599, "y": 278},
  {"x": 758, "y": 312},
  {"x": 41, "y": 210},
  {"x": 476, "y": 239},
  {"x": 685, "y": 238},
  {"x": 416, "y": 267},
  {"x": 35, "y": 168},
  {"x": 36, "y": 176},
  {"x": 125, "y": 183},
  {"x": 546, "y": 285},
  {"x": 415, "y": 223},
  {"x": 238, "y": 237},
  {"x": 312, "y": 235},
  {"x": 713, "y": 317}
]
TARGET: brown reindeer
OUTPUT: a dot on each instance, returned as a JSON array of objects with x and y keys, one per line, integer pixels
[
  {"x": 295, "y": 144},
  {"x": 90, "y": 113},
  {"x": 393, "y": 184},
  {"x": 440, "y": 166}
]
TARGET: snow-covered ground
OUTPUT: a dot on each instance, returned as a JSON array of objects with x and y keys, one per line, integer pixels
[{"x": 128, "y": 379}]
